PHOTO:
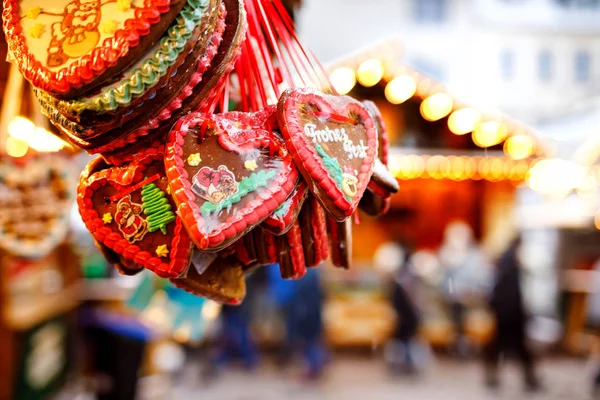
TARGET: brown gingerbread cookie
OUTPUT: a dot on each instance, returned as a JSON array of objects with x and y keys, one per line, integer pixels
[
  {"x": 291, "y": 254},
  {"x": 129, "y": 210},
  {"x": 223, "y": 281},
  {"x": 313, "y": 226},
  {"x": 340, "y": 241},
  {"x": 282, "y": 219},
  {"x": 334, "y": 143},
  {"x": 68, "y": 47}
]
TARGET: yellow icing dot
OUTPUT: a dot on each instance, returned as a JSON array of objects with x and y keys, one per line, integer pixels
[
  {"x": 194, "y": 159},
  {"x": 250, "y": 165},
  {"x": 33, "y": 12},
  {"x": 168, "y": 189},
  {"x": 107, "y": 218},
  {"x": 37, "y": 30},
  {"x": 162, "y": 251},
  {"x": 109, "y": 27},
  {"x": 123, "y": 5}
]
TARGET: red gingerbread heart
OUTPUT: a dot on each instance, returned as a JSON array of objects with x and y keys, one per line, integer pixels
[
  {"x": 283, "y": 218},
  {"x": 129, "y": 210},
  {"x": 228, "y": 172},
  {"x": 334, "y": 142}
]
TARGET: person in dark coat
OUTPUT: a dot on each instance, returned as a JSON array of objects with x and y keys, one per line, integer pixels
[
  {"x": 302, "y": 301},
  {"x": 511, "y": 319},
  {"x": 394, "y": 261}
]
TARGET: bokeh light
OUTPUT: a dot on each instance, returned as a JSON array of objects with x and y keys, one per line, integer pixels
[
  {"x": 519, "y": 147},
  {"x": 489, "y": 134},
  {"x": 436, "y": 106},
  {"x": 464, "y": 121},
  {"x": 15, "y": 147},
  {"x": 400, "y": 89},
  {"x": 370, "y": 72},
  {"x": 343, "y": 80}
]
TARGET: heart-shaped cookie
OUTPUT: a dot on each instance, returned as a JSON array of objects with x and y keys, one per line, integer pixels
[
  {"x": 35, "y": 199},
  {"x": 67, "y": 47},
  {"x": 130, "y": 211},
  {"x": 292, "y": 264},
  {"x": 228, "y": 172},
  {"x": 334, "y": 142},
  {"x": 313, "y": 225},
  {"x": 286, "y": 214},
  {"x": 222, "y": 281},
  {"x": 340, "y": 242}
]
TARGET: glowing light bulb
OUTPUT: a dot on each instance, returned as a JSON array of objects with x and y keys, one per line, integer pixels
[
  {"x": 370, "y": 72},
  {"x": 15, "y": 147},
  {"x": 436, "y": 106},
  {"x": 400, "y": 89},
  {"x": 519, "y": 147},
  {"x": 21, "y": 128},
  {"x": 343, "y": 80},
  {"x": 489, "y": 134},
  {"x": 464, "y": 121}
]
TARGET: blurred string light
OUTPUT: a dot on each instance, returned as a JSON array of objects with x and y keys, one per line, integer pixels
[
  {"x": 400, "y": 89},
  {"x": 597, "y": 219},
  {"x": 489, "y": 134},
  {"x": 556, "y": 176},
  {"x": 370, "y": 72},
  {"x": 459, "y": 168},
  {"x": 436, "y": 106},
  {"x": 464, "y": 121},
  {"x": 519, "y": 147},
  {"x": 343, "y": 80},
  {"x": 15, "y": 147},
  {"x": 37, "y": 138}
]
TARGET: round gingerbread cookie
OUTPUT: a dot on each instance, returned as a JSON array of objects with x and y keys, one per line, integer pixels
[{"x": 68, "y": 47}]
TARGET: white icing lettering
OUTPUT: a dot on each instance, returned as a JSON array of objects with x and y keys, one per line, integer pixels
[{"x": 327, "y": 135}]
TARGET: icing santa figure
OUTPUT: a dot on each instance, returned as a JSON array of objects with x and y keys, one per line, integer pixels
[
  {"x": 128, "y": 218},
  {"x": 214, "y": 185},
  {"x": 78, "y": 32}
]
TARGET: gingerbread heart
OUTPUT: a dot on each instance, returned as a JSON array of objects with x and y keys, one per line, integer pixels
[
  {"x": 222, "y": 281},
  {"x": 67, "y": 47},
  {"x": 292, "y": 264},
  {"x": 228, "y": 172},
  {"x": 334, "y": 143},
  {"x": 313, "y": 225},
  {"x": 340, "y": 242},
  {"x": 129, "y": 210},
  {"x": 35, "y": 199},
  {"x": 286, "y": 214}
]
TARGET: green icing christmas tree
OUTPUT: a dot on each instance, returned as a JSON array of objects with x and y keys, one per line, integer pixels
[{"x": 157, "y": 207}]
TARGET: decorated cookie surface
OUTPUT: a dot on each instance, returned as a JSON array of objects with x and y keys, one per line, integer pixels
[
  {"x": 35, "y": 199},
  {"x": 148, "y": 72},
  {"x": 281, "y": 220},
  {"x": 66, "y": 47},
  {"x": 129, "y": 210},
  {"x": 334, "y": 142},
  {"x": 228, "y": 172}
]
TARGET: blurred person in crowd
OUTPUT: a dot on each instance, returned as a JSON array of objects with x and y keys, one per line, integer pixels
[
  {"x": 301, "y": 302},
  {"x": 464, "y": 279},
  {"x": 506, "y": 302},
  {"x": 235, "y": 341},
  {"x": 394, "y": 262},
  {"x": 593, "y": 322}
]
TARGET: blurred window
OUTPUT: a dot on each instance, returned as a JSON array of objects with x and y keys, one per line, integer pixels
[
  {"x": 430, "y": 10},
  {"x": 582, "y": 66},
  {"x": 507, "y": 64},
  {"x": 579, "y": 3},
  {"x": 545, "y": 65}
]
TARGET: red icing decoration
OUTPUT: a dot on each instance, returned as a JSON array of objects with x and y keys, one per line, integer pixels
[
  {"x": 87, "y": 67},
  {"x": 121, "y": 178}
]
